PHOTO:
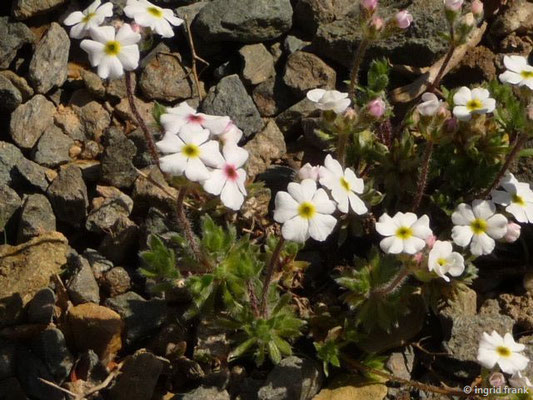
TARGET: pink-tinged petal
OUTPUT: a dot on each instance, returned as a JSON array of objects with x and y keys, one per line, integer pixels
[
  {"x": 210, "y": 154},
  {"x": 497, "y": 226},
  {"x": 322, "y": 202},
  {"x": 391, "y": 245},
  {"x": 240, "y": 181},
  {"x": 103, "y": 34},
  {"x": 386, "y": 226},
  {"x": 78, "y": 32},
  {"x": 515, "y": 63},
  {"x": 196, "y": 170},
  {"x": 74, "y": 18},
  {"x": 215, "y": 183},
  {"x": 95, "y": 50},
  {"x": 235, "y": 155},
  {"x": 462, "y": 235},
  {"x": 511, "y": 77},
  {"x": 129, "y": 57},
  {"x": 482, "y": 244},
  {"x": 462, "y": 96},
  {"x": 183, "y": 110},
  {"x": 296, "y": 230},
  {"x": 173, "y": 164},
  {"x": 126, "y": 36},
  {"x": 285, "y": 207},
  {"x": 321, "y": 226},
  {"x": 231, "y": 196},
  {"x": 463, "y": 215},
  {"x": 170, "y": 144}
]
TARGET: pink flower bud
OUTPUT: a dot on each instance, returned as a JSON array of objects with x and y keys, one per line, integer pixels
[
  {"x": 430, "y": 241},
  {"x": 453, "y": 5},
  {"x": 403, "y": 19},
  {"x": 136, "y": 27},
  {"x": 309, "y": 172},
  {"x": 376, "y": 24},
  {"x": 513, "y": 232},
  {"x": 350, "y": 114},
  {"x": 469, "y": 20},
  {"x": 369, "y": 5},
  {"x": 497, "y": 379},
  {"x": 376, "y": 108},
  {"x": 477, "y": 8},
  {"x": 418, "y": 257}
]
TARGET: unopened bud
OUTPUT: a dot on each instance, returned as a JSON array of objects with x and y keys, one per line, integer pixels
[
  {"x": 513, "y": 232},
  {"x": 350, "y": 115},
  {"x": 376, "y": 25},
  {"x": 309, "y": 172},
  {"x": 497, "y": 379},
  {"x": 369, "y": 5},
  {"x": 376, "y": 108},
  {"x": 453, "y": 5},
  {"x": 403, "y": 19},
  {"x": 477, "y": 9}
]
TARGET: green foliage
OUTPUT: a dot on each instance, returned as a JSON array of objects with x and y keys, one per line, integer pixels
[
  {"x": 378, "y": 77},
  {"x": 157, "y": 111},
  {"x": 510, "y": 112},
  {"x": 374, "y": 362},
  {"x": 329, "y": 353},
  {"x": 159, "y": 260}
]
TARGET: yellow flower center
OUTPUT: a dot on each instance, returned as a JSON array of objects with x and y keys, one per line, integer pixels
[
  {"x": 478, "y": 226},
  {"x": 191, "y": 151},
  {"x": 112, "y": 48},
  {"x": 345, "y": 184},
  {"x": 88, "y": 17},
  {"x": 503, "y": 351},
  {"x": 519, "y": 200},
  {"x": 404, "y": 232},
  {"x": 526, "y": 74},
  {"x": 442, "y": 262},
  {"x": 155, "y": 11},
  {"x": 306, "y": 210},
  {"x": 474, "y": 105}
]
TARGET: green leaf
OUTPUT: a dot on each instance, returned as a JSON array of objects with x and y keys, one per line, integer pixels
[
  {"x": 525, "y": 153},
  {"x": 274, "y": 353},
  {"x": 241, "y": 349},
  {"x": 157, "y": 111}
]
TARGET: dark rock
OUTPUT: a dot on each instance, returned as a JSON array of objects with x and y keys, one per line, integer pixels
[
  {"x": 98, "y": 262},
  {"x": 10, "y": 389},
  {"x": 212, "y": 343},
  {"x": 290, "y": 120},
  {"x": 90, "y": 368},
  {"x": 23, "y": 9},
  {"x": 37, "y": 217},
  {"x": 48, "y": 66},
  {"x": 82, "y": 123},
  {"x": 293, "y": 378},
  {"x": 29, "y": 369},
  {"x": 267, "y": 146},
  {"x": 140, "y": 316},
  {"x": 138, "y": 377},
  {"x": 93, "y": 83},
  {"x": 117, "y": 166},
  {"x": 12, "y": 37},
  {"x": 10, "y": 96},
  {"x": 8, "y": 352},
  {"x": 107, "y": 211},
  {"x": 245, "y": 21},
  {"x": 169, "y": 341},
  {"x": 20, "y": 83},
  {"x": 30, "y": 120},
  {"x": 229, "y": 97},
  {"x": 272, "y": 97},
  {"x": 143, "y": 158},
  {"x": 202, "y": 393},
  {"x": 68, "y": 195},
  {"x": 50, "y": 346},
  {"x": 518, "y": 17},
  {"x": 82, "y": 287},
  {"x": 41, "y": 307},
  {"x": 123, "y": 111},
  {"x": 120, "y": 243},
  {"x": 190, "y": 11},
  {"x": 309, "y": 14},
  {"x": 292, "y": 44},
  {"x": 53, "y": 148},
  {"x": 33, "y": 174},
  {"x": 146, "y": 194},
  {"x": 10, "y": 156},
  {"x": 116, "y": 281},
  {"x": 10, "y": 202},
  {"x": 116, "y": 88},
  {"x": 305, "y": 71},
  {"x": 258, "y": 64}
]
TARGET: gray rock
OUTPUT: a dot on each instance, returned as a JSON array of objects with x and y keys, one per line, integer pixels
[
  {"x": 138, "y": 377},
  {"x": 30, "y": 120},
  {"x": 165, "y": 78},
  {"x": 116, "y": 88},
  {"x": 141, "y": 316},
  {"x": 98, "y": 262},
  {"x": 29, "y": 369},
  {"x": 305, "y": 71},
  {"x": 48, "y": 66},
  {"x": 23, "y": 9},
  {"x": 117, "y": 165},
  {"x": 33, "y": 174},
  {"x": 290, "y": 120},
  {"x": 7, "y": 359},
  {"x": 20, "y": 83},
  {"x": 202, "y": 393},
  {"x": 12, "y": 37},
  {"x": 50, "y": 346},
  {"x": 267, "y": 146},
  {"x": 518, "y": 17},
  {"x": 245, "y": 21},
  {"x": 292, "y": 44},
  {"x": 10, "y": 156},
  {"x": 82, "y": 287},
  {"x": 293, "y": 378},
  {"x": 37, "y": 216},
  {"x": 229, "y": 97},
  {"x": 103, "y": 217},
  {"x": 10, "y": 202},
  {"x": 123, "y": 111},
  {"x": 258, "y": 64},
  {"x": 146, "y": 194},
  {"x": 53, "y": 148},
  {"x": 10, "y": 96},
  {"x": 116, "y": 281},
  {"x": 272, "y": 97},
  {"x": 401, "y": 363},
  {"x": 189, "y": 12},
  {"x": 68, "y": 195},
  {"x": 308, "y": 14},
  {"x": 93, "y": 83},
  {"x": 338, "y": 40},
  {"x": 41, "y": 307},
  {"x": 82, "y": 123}
]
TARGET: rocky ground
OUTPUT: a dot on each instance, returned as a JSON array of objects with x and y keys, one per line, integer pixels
[{"x": 76, "y": 205}]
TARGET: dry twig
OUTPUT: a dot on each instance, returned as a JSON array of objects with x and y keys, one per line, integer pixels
[{"x": 194, "y": 58}]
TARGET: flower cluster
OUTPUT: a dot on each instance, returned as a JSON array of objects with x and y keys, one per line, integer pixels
[
  {"x": 376, "y": 26},
  {"x": 112, "y": 51},
  {"x": 204, "y": 148}
]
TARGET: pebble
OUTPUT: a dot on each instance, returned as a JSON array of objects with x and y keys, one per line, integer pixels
[
  {"x": 82, "y": 287},
  {"x": 116, "y": 281},
  {"x": 53, "y": 148},
  {"x": 258, "y": 64}
]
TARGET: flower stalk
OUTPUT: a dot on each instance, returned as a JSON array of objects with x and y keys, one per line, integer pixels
[
  {"x": 397, "y": 281},
  {"x": 357, "y": 61},
  {"x": 423, "y": 178},
  {"x": 274, "y": 260},
  {"x": 436, "y": 82}
]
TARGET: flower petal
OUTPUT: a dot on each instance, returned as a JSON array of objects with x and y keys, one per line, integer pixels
[
  {"x": 482, "y": 244},
  {"x": 215, "y": 183},
  {"x": 296, "y": 230},
  {"x": 462, "y": 96},
  {"x": 129, "y": 57},
  {"x": 74, "y": 18},
  {"x": 285, "y": 207},
  {"x": 231, "y": 196},
  {"x": 462, "y": 235},
  {"x": 391, "y": 245},
  {"x": 321, "y": 226}
]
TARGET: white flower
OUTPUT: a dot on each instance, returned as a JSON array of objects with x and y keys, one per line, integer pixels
[
  {"x": 91, "y": 17},
  {"x": 344, "y": 186},
  {"x": 478, "y": 225},
  {"x": 430, "y": 105},
  {"x": 405, "y": 232},
  {"x": 227, "y": 180},
  {"x": 189, "y": 153},
  {"x": 443, "y": 260},
  {"x": 177, "y": 118},
  {"x": 517, "y": 197},
  {"x": 493, "y": 349},
  {"x": 519, "y": 381},
  {"x": 112, "y": 53},
  {"x": 329, "y": 100},
  {"x": 149, "y": 15},
  {"x": 230, "y": 134},
  {"x": 304, "y": 212},
  {"x": 519, "y": 72},
  {"x": 309, "y": 171},
  {"x": 475, "y": 101}
]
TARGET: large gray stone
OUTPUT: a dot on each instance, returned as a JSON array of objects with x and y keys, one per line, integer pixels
[
  {"x": 245, "y": 21},
  {"x": 305, "y": 71},
  {"x": 33, "y": 174},
  {"x": 82, "y": 287},
  {"x": 267, "y": 146},
  {"x": 37, "y": 217},
  {"x": 51, "y": 347},
  {"x": 53, "y": 148},
  {"x": 20, "y": 83},
  {"x": 23, "y": 9},
  {"x": 10, "y": 155},
  {"x": 10, "y": 96},
  {"x": 229, "y": 97},
  {"x": 117, "y": 165},
  {"x": 41, "y": 307},
  {"x": 48, "y": 66},
  {"x": 68, "y": 195},
  {"x": 30, "y": 120},
  {"x": 258, "y": 64},
  {"x": 308, "y": 14},
  {"x": 9, "y": 203},
  {"x": 12, "y": 37}
]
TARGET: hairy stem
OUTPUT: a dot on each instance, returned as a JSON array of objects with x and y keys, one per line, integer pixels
[
  {"x": 342, "y": 142},
  {"x": 522, "y": 139},
  {"x": 436, "y": 82},
  {"x": 268, "y": 277},
  {"x": 357, "y": 60},
  {"x": 392, "y": 285},
  {"x": 423, "y": 178},
  {"x": 140, "y": 121}
]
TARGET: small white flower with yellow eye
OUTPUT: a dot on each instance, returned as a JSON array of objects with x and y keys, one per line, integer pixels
[
  {"x": 85, "y": 20},
  {"x": 468, "y": 102},
  {"x": 517, "y": 197},
  {"x": 443, "y": 260},
  {"x": 519, "y": 72},
  {"x": 151, "y": 16},
  {"x": 405, "y": 232},
  {"x": 504, "y": 351}
]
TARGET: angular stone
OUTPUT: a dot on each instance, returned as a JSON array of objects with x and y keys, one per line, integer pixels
[
  {"x": 33, "y": 174},
  {"x": 518, "y": 17},
  {"x": 266, "y": 146},
  {"x": 93, "y": 83},
  {"x": 37, "y": 217},
  {"x": 10, "y": 156},
  {"x": 305, "y": 71},
  {"x": 82, "y": 287},
  {"x": 68, "y": 195},
  {"x": 117, "y": 166},
  {"x": 350, "y": 387},
  {"x": 290, "y": 120},
  {"x": 146, "y": 194},
  {"x": 272, "y": 97},
  {"x": 10, "y": 96},
  {"x": 202, "y": 393},
  {"x": 229, "y": 97},
  {"x": 309, "y": 14},
  {"x": 121, "y": 243},
  {"x": 50, "y": 346},
  {"x": 53, "y": 148},
  {"x": 10, "y": 202},
  {"x": 258, "y": 64},
  {"x": 245, "y": 21},
  {"x": 108, "y": 209},
  {"x": 292, "y": 44},
  {"x": 48, "y": 66},
  {"x": 30, "y": 120},
  {"x": 20, "y": 83},
  {"x": 96, "y": 328},
  {"x": 13, "y": 35},
  {"x": 41, "y": 307},
  {"x": 23, "y": 9},
  {"x": 29, "y": 369},
  {"x": 116, "y": 281},
  {"x": 99, "y": 263}
]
